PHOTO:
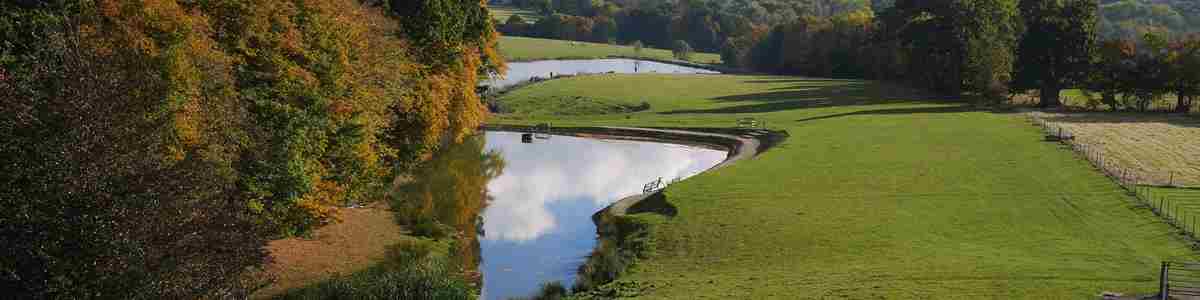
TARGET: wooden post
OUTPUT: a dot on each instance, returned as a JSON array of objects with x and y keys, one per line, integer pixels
[{"x": 1162, "y": 282}]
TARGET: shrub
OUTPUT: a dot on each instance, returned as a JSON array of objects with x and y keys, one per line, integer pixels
[{"x": 681, "y": 50}]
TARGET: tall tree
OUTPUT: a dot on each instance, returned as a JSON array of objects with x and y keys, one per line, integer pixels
[
  {"x": 1057, "y": 49},
  {"x": 952, "y": 44},
  {"x": 1184, "y": 63}
]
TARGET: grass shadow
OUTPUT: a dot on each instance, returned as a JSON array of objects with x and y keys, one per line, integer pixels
[
  {"x": 896, "y": 111},
  {"x": 655, "y": 203},
  {"x": 813, "y": 93}
]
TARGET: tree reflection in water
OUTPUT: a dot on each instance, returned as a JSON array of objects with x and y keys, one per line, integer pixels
[{"x": 446, "y": 195}]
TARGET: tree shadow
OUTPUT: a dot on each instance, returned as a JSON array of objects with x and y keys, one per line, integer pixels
[
  {"x": 897, "y": 111},
  {"x": 800, "y": 80},
  {"x": 1191, "y": 120},
  {"x": 814, "y": 93}
]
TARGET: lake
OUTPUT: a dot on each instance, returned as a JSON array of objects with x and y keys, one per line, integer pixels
[
  {"x": 529, "y": 205},
  {"x": 523, "y": 71}
]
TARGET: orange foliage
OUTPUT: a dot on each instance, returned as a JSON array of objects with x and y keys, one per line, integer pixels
[{"x": 335, "y": 56}]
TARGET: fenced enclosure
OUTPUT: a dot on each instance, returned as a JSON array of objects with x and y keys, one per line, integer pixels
[
  {"x": 1179, "y": 207},
  {"x": 1178, "y": 280}
]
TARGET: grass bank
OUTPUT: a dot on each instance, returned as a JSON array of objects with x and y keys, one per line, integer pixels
[
  {"x": 879, "y": 193},
  {"x": 526, "y": 49}
]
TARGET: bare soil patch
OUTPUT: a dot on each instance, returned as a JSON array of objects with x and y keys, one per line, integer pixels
[
  {"x": 1156, "y": 147},
  {"x": 354, "y": 244}
]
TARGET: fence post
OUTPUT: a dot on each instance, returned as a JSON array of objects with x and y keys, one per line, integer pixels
[{"x": 1162, "y": 282}]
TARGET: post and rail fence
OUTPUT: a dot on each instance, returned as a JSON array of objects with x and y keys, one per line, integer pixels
[
  {"x": 1179, "y": 279},
  {"x": 1180, "y": 210}
]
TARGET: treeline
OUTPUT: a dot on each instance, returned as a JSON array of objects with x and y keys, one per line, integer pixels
[
  {"x": 989, "y": 49},
  {"x": 1131, "y": 19},
  {"x": 703, "y": 24},
  {"x": 718, "y": 25},
  {"x": 152, "y": 147}
]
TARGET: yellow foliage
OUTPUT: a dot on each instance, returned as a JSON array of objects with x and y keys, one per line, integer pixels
[{"x": 322, "y": 203}]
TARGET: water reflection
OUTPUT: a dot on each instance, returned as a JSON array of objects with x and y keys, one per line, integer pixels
[
  {"x": 445, "y": 197},
  {"x": 537, "y": 225},
  {"x": 523, "y": 71}
]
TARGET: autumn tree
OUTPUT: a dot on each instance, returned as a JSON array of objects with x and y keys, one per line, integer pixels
[
  {"x": 120, "y": 139},
  {"x": 153, "y": 146},
  {"x": 1057, "y": 49}
]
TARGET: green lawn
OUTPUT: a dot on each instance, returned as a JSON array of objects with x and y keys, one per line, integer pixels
[
  {"x": 876, "y": 194},
  {"x": 524, "y": 49},
  {"x": 501, "y": 13},
  {"x": 1179, "y": 204}
]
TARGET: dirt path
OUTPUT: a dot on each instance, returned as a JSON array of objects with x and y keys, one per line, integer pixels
[{"x": 356, "y": 243}]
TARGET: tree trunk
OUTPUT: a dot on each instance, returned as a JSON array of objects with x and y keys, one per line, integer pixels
[
  {"x": 1184, "y": 104},
  {"x": 1050, "y": 96}
]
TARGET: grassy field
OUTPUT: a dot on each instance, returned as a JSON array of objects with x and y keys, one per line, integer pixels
[
  {"x": 876, "y": 194},
  {"x": 524, "y": 49},
  {"x": 501, "y": 13},
  {"x": 1160, "y": 149}
]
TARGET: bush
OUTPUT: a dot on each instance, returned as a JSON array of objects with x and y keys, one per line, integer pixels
[{"x": 681, "y": 50}]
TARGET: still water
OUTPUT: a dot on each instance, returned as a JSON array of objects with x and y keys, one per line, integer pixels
[
  {"x": 529, "y": 206},
  {"x": 523, "y": 71}
]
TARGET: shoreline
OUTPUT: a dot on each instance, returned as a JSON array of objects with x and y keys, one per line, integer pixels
[{"x": 616, "y": 231}]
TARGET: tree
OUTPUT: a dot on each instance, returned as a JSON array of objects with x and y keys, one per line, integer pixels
[
  {"x": 637, "y": 48},
  {"x": 1057, "y": 48},
  {"x": 952, "y": 44},
  {"x": 1184, "y": 62},
  {"x": 1111, "y": 74},
  {"x": 682, "y": 50},
  {"x": 515, "y": 26}
]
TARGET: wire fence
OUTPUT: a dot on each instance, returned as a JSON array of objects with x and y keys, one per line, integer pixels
[{"x": 1178, "y": 207}]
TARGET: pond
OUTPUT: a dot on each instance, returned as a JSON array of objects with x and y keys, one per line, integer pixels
[
  {"x": 523, "y": 71},
  {"x": 529, "y": 206}
]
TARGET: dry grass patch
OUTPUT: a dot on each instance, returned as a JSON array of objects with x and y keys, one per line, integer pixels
[
  {"x": 356, "y": 243},
  {"x": 1153, "y": 146}
]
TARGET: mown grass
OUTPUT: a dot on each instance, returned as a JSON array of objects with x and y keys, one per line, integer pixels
[
  {"x": 525, "y": 49},
  {"x": 1156, "y": 148},
  {"x": 878, "y": 193}
]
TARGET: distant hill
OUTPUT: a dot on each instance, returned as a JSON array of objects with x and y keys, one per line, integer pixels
[{"x": 1131, "y": 18}]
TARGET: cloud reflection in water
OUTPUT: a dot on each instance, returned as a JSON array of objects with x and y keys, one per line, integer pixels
[{"x": 538, "y": 226}]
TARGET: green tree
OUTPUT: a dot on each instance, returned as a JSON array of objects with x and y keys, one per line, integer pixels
[
  {"x": 1111, "y": 74},
  {"x": 1058, "y": 47},
  {"x": 952, "y": 44},
  {"x": 681, "y": 50},
  {"x": 1184, "y": 62}
]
